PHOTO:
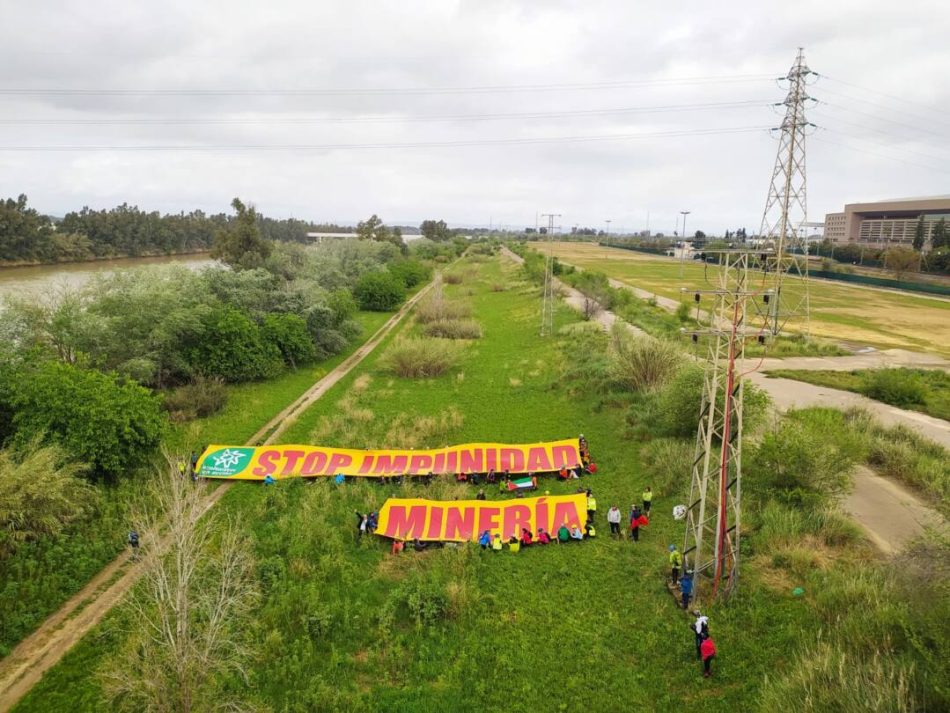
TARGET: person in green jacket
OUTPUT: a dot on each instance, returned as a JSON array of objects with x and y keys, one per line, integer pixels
[
  {"x": 676, "y": 561},
  {"x": 563, "y": 534}
]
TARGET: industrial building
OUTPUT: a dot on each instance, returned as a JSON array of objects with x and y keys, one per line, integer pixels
[{"x": 886, "y": 223}]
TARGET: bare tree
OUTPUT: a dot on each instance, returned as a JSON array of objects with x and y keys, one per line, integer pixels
[
  {"x": 197, "y": 583},
  {"x": 591, "y": 307}
]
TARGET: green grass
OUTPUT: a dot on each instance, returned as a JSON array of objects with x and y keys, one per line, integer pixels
[
  {"x": 934, "y": 386},
  {"x": 41, "y": 576},
  {"x": 345, "y": 626}
]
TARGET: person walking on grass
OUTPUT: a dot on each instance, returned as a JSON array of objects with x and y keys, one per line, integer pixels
[
  {"x": 676, "y": 561},
  {"x": 613, "y": 518},
  {"x": 134, "y": 544},
  {"x": 361, "y": 521},
  {"x": 707, "y": 651},
  {"x": 634, "y": 523},
  {"x": 647, "y": 500},
  {"x": 700, "y": 629}
]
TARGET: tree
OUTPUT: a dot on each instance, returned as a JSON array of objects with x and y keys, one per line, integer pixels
[
  {"x": 379, "y": 291},
  {"x": 436, "y": 230},
  {"x": 113, "y": 426},
  {"x": 920, "y": 236},
  {"x": 240, "y": 244},
  {"x": 288, "y": 332},
  {"x": 198, "y": 583},
  {"x": 939, "y": 238},
  {"x": 900, "y": 260},
  {"x": 700, "y": 235},
  {"x": 40, "y": 493},
  {"x": 373, "y": 229},
  {"x": 233, "y": 348},
  {"x": 25, "y": 235}
]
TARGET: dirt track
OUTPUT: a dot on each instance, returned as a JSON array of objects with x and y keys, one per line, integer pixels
[{"x": 43, "y": 649}]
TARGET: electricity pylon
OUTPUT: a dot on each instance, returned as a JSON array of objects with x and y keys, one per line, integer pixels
[
  {"x": 547, "y": 299},
  {"x": 711, "y": 547},
  {"x": 786, "y": 210}
]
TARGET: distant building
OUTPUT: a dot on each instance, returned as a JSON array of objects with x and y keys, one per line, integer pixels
[{"x": 886, "y": 223}]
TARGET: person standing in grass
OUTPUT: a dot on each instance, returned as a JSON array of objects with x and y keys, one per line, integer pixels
[
  {"x": 613, "y": 518},
  {"x": 686, "y": 588},
  {"x": 700, "y": 629},
  {"x": 708, "y": 653},
  {"x": 591, "y": 505},
  {"x": 634, "y": 523},
  {"x": 647, "y": 500},
  {"x": 676, "y": 561},
  {"x": 361, "y": 521}
]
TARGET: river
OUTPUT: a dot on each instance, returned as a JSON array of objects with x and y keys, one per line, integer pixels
[{"x": 30, "y": 281}]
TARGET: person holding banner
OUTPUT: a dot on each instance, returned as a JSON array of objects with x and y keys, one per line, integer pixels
[
  {"x": 563, "y": 535},
  {"x": 496, "y": 543},
  {"x": 591, "y": 505},
  {"x": 576, "y": 533},
  {"x": 485, "y": 540},
  {"x": 543, "y": 537},
  {"x": 526, "y": 538}
]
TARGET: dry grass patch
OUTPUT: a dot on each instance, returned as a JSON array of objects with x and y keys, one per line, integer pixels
[
  {"x": 454, "y": 329},
  {"x": 437, "y": 308},
  {"x": 514, "y": 383},
  {"x": 452, "y": 278},
  {"x": 413, "y": 358}
]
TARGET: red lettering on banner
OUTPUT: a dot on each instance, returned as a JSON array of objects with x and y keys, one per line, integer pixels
[
  {"x": 471, "y": 461},
  {"x": 538, "y": 460},
  {"x": 387, "y": 464},
  {"x": 511, "y": 459},
  {"x": 292, "y": 458},
  {"x": 438, "y": 465},
  {"x": 460, "y": 523},
  {"x": 314, "y": 464},
  {"x": 565, "y": 456},
  {"x": 451, "y": 459},
  {"x": 435, "y": 524},
  {"x": 420, "y": 464},
  {"x": 266, "y": 463},
  {"x": 406, "y": 524},
  {"x": 367, "y": 465},
  {"x": 566, "y": 514},
  {"x": 491, "y": 458},
  {"x": 487, "y": 519},
  {"x": 516, "y": 517},
  {"x": 338, "y": 461},
  {"x": 541, "y": 514}
]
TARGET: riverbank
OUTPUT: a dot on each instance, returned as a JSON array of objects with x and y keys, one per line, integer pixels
[{"x": 14, "y": 264}]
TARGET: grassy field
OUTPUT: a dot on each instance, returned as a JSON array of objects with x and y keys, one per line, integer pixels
[
  {"x": 853, "y": 314},
  {"x": 924, "y": 390},
  {"x": 345, "y": 626},
  {"x": 41, "y": 575}
]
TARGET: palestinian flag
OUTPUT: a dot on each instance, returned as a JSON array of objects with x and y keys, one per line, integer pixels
[{"x": 522, "y": 484}]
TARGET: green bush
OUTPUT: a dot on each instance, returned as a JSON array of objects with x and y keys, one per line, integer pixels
[
  {"x": 642, "y": 363},
  {"x": 415, "y": 358},
  {"x": 898, "y": 387},
  {"x": 289, "y": 333},
  {"x": 410, "y": 272},
  {"x": 114, "y": 427},
  {"x": 233, "y": 349},
  {"x": 199, "y": 399},
  {"x": 379, "y": 291}
]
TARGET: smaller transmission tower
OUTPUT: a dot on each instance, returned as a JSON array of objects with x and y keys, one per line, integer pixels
[
  {"x": 547, "y": 300},
  {"x": 786, "y": 209}
]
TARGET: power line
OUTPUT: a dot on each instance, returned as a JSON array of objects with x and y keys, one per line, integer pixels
[
  {"x": 879, "y": 155},
  {"x": 883, "y": 94},
  {"x": 885, "y": 107},
  {"x": 482, "y": 89},
  {"x": 150, "y": 121},
  {"x": 878, "y": 131},
  {"x": 408, "y": 145}
]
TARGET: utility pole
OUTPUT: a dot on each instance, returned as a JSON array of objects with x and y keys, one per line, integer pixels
[
  {"x": 683, "y": 213},
  {"x": 547, "y": 299},
  {"x": 608, "y": 222},
  {"x": 786, "y": 207}
]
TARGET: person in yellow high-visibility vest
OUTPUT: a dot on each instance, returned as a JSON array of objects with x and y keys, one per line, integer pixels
[
  {"x": 591, "y": 506},
  {"x": 647, "y": 500},
  {"x": 676, "y": 561}
]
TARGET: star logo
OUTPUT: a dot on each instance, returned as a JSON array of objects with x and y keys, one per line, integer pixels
[{"x": 228, "y": 459}]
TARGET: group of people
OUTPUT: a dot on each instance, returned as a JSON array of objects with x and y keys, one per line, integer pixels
[
  {"x": 705, "y": 646},
  {"x": 366, "y": 523},
  {"x": 563, "y": 535},
  {"x": 638, "y": 517},
  {"x": 189, "y": 467}
]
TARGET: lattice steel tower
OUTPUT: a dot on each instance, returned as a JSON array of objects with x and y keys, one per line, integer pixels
[
  {"x": 547, "y": 299},
  {"x": 786, "y": 209}
]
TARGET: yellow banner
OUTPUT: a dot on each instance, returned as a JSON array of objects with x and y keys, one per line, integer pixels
[
  {"x": 245, "y": 463},
  {"x": 465, "y": 520}
]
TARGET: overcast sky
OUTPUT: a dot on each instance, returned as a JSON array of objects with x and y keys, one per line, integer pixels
[{"x": 403, "y": 72}]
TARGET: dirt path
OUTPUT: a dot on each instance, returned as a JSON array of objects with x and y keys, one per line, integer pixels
[
  {"x": 890, "y": 513},
  {"x": 43, "y": 649}
]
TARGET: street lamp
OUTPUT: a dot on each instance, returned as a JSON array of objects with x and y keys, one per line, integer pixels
[
  {"x": 683, "y": 213},
  {"x": 608, "y": 222}
]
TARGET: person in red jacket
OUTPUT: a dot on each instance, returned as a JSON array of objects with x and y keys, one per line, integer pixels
[
  {"x": 708, "y": 651},
  {"x": 526, "y": 538}
]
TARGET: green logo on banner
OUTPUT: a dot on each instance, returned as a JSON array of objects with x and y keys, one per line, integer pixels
[{"x": 226, "y": 461}]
